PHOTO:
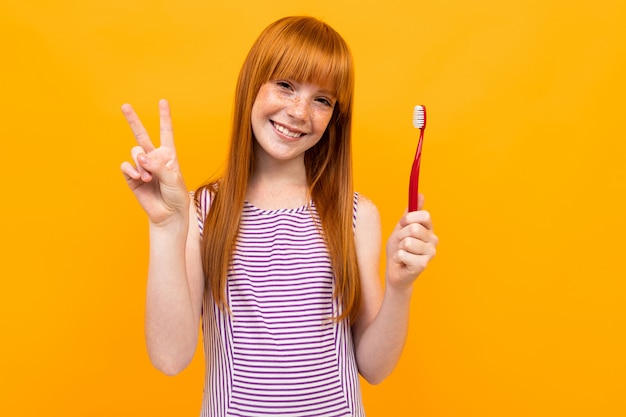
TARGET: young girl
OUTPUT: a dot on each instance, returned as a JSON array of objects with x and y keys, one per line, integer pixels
[{"x": 279, "y": 258}]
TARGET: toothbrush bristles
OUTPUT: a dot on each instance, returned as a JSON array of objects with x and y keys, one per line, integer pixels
[{"x": 419, "y": 117}]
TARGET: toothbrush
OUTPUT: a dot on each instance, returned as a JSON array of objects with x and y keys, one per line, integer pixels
[{"x": 419, "y": 122}]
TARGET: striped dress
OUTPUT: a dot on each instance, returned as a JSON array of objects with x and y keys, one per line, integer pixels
[{"x": 278, "y": 353}]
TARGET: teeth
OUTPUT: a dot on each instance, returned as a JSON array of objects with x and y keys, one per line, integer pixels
[{"x": 287, "y": 132}]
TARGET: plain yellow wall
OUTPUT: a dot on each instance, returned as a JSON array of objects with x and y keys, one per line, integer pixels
[{"x": 521, "y": 314}]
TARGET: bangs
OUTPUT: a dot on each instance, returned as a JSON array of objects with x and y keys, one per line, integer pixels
[
  {"x": 327, "y": 70},
  {"x": 312, "y": 52}
]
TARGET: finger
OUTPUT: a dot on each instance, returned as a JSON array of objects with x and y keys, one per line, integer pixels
[
  {"x": 414, "y": 264},
  {"x": 129, "y": 171},
  {"x": 159, "y": 164},
  {"x": 420, "y": 201},
  {"x": 141, "y": 161},
  {"x": 420, "y": 217},
  {"x": 167, "y": 132},
  {"x": 418, "y": 246},
  {"x": 417, "y": 231},
  {"x": 141, "y": 135},
  {"x": 131, "y": 175}
]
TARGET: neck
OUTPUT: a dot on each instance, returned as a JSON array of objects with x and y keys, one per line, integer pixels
[{"x": 278, "y": 185}]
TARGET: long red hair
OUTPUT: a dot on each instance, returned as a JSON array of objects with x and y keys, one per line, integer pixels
[{"x": 303, "y": 49}]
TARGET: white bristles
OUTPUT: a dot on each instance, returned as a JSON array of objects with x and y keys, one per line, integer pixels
[{"x": 419, "y": 117}]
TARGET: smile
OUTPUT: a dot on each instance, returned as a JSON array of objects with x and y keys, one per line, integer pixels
[{"x": 286, "y": 132}]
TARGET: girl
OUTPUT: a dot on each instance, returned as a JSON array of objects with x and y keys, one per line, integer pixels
[{"x": 278, "y": 258}]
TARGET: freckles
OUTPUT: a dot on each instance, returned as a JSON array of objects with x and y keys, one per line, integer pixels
[
  {"x": 276, "y": 100},
  {"x": 266, "y": 96}
]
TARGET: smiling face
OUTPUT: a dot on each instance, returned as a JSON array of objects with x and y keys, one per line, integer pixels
[{"x": 288, "y": 118}]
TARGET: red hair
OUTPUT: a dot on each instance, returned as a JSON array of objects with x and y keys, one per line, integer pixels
[{"x": 308, "y": 50}]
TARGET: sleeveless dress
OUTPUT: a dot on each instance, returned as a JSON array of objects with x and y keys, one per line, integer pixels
[{"x": 278, "y": 353}]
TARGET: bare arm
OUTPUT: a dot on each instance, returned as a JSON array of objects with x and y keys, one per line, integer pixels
[
  {"x": 174, "y": 295},
  {"x": 382, "y": 326},
  {"x": 175, "y": 278}
]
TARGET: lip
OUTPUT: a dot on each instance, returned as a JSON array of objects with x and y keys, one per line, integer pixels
[{"x": 277, "y": 126}]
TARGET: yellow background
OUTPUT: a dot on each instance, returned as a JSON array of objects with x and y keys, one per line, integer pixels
[{"x": 521, "y": 314}]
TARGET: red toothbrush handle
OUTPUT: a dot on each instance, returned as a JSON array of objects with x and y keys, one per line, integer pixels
[
  {"x": 414, "y": 184},
  {"x": 415, "y": 176}
]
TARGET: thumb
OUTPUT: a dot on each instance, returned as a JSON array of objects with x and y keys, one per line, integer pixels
[
  {"x": 420, "y": 201},
  {"x": 165, "y": 170}
]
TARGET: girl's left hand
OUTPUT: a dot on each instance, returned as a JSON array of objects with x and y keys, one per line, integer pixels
[{"x": 410, "y": 248}]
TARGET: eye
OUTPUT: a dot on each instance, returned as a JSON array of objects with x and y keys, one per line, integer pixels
[
  {"x": 284, "y": 84},
  {"x": 325, "y": 101}
]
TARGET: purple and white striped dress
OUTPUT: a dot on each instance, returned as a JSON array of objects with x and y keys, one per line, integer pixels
[{"x": 279, "y": 353}]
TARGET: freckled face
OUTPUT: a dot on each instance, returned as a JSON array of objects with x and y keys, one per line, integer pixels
[{"x": 289, "y": 117}]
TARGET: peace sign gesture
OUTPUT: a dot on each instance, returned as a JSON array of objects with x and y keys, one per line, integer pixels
[{"x": 155, "y": 176}]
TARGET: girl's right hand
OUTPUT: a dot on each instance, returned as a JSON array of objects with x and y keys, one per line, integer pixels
[{"x": 155, "y": 176}]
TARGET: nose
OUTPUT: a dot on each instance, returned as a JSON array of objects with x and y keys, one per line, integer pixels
[{"x": 297, "y": 107}]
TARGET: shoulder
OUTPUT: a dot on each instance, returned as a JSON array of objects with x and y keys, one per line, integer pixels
[
  {"x": 366, "y": 210},
  {"x": 367, "y": 222}
]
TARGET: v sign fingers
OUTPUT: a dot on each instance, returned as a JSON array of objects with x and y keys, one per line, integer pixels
[{"x": 155, "y": 177}]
